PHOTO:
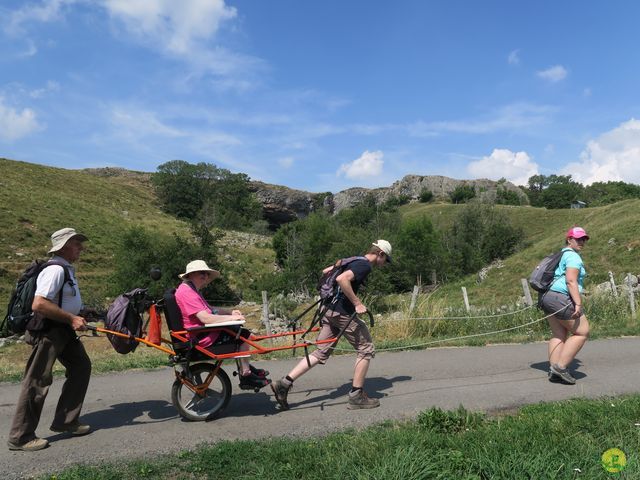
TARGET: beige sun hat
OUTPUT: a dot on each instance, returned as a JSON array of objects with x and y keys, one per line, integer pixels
[
  {"x": 62, "y": 236},
  {"x": 199, "y": 266},
  {"x": 385, "y": 247}
]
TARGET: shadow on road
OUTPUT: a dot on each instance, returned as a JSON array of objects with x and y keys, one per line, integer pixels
[
  {"x": 262, "y": 404},
  {"x": 122, "y": 414},
  {"x": 544, "y": 367}
]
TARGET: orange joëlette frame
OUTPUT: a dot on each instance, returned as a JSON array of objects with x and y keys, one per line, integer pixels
[{"x": 253, "y": 341}]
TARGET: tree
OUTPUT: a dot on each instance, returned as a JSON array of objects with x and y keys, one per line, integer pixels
[
  {"x": 206, "y": 193},
  {"x": 418, "y": 251},
  {"x": 480, "y": 234},
  {"x": 553, "y": 191}
]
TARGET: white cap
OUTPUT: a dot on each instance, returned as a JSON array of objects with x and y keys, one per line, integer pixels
[
  {"x": 198, "y": 266},
  {"x": 62, "y": 236},
  {"x": 385, "y": 247}
]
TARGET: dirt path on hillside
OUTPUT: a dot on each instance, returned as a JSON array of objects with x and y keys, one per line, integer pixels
[{"x": 132, "y": 415}]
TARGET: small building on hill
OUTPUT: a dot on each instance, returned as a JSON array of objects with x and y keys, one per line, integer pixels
[{"x": 578, "y": 204}]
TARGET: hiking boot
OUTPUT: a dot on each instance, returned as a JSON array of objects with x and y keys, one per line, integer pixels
[
  {"x": 30, "y": 446},
  {"x": 562, "y": 373},
  {"x": 252, "y": 381},
  {"x": 259, "y": 372},
  {"x": 76, "y": 429},
  {"x": 280, "y": 390},
  {"x": 360, "y": 399}
]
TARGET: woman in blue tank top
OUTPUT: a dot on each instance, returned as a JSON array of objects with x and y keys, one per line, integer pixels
[{"x": 564, "y": 300}]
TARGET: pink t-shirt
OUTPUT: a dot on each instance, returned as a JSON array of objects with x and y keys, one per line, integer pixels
[{"x": 190, "y": 303}]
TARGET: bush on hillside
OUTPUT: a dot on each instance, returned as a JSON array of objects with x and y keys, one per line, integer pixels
[
  {"x": 479, "y": 235},
  {"x": 426, "y": 196},
  {"x": 462, "y": 194},
  {"x": 138, "y": 251}
]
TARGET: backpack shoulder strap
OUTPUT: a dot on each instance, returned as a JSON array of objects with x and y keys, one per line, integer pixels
[{"x": 67, "y": 276}]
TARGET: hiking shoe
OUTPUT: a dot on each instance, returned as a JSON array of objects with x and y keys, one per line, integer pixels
[
  {"x": 562, "y": 373},
  {"x": 76, "y": 429},
  {"x": 252, "y": 381},
  {"x": 360, "y": 399},
  {"x": 280, "y": 390},
  {"x": 30, "y": 446},
  {"x": 259, "y": 372}
]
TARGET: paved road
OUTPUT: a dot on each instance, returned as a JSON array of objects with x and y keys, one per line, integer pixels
[{"x": 132, "y": 414}]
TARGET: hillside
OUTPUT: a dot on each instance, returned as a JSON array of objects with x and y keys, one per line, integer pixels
[
  {"x": 36, "y": 200},
  {"x": 614, "y": 246}
]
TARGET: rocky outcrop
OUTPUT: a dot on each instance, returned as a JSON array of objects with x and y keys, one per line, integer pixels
[{"x": 282, "y": 204}]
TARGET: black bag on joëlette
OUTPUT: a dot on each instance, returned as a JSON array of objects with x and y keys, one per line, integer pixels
[{"x": 124, "y": 316}]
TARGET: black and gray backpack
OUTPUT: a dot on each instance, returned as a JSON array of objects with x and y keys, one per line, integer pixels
[
  {"x": 20, "y": 316},
  {"x": 542, "y": 276}
]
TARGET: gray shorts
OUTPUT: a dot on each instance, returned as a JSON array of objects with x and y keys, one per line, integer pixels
[
  {"x": 553, "y": 301},
  {"x": 357, "y": 334}
]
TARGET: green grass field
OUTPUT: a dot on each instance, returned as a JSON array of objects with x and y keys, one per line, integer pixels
[{"x": 563, "y": 440}]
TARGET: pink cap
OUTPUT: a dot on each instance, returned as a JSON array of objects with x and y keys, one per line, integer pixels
[{"x": 577, "y": 232}]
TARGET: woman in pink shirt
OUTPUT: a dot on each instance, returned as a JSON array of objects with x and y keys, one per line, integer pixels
[{"x": 196, "y": 312}]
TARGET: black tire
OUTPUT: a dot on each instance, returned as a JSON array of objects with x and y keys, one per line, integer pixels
[{"x": 216, "y": 398}]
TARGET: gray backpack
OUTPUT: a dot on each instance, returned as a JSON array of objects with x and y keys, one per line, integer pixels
[
  {"x": 542, "y": 276},
  {"x": 124, "y": 316}
]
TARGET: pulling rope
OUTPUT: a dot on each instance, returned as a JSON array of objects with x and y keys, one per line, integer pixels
[
  {"x": 472, "y": 317},
  {"x": 442, "y": 340}
]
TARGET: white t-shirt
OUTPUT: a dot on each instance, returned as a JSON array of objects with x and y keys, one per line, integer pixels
[{"x": 50, "y": 281}]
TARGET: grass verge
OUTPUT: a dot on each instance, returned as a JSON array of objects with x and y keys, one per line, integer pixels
[
  {"x": 563, "y": 440},
  {"x": 608, "y": 316}
]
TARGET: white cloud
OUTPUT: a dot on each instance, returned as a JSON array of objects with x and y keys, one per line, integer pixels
[
  {"x": 50, "y": 87},
  {"x": 514, "y": 57},
  {"x": 369, "y": 164},
  {"x": 135, "y": 123},
  {"x": 16, "y": 124},
  {"x": 586, "y": 92},
  {"x": 185, "y": 29},
  {"x": 516, "y": 167},
  {"x": 47, "y": 11},
  {"x": 285, "y": 162},
  {"x": 614, "y": 156},
  {"x": 553, "y": 74},
  {"x": 511, "y": 117},
  {"x": 178, "y": 26}
]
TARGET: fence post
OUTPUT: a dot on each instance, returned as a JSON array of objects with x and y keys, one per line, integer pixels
[
  {"x": 466, "y": 299},
  {"x": 527, "y": 292},
  {"x": 632, "y": 298},
  {"x": 613, "y": 284},
  {"x": 414, "y": 296},
  {"x": 265, "y": 312}
]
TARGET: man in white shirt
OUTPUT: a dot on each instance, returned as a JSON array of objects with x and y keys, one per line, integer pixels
[{"x": 57, "y": 304}]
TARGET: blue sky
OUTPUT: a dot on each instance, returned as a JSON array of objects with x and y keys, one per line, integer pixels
[{"x": 325, "y": 95}]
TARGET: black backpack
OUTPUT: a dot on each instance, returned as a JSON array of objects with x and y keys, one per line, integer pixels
[
  {"x": 124, "y": 316},
  {"x": 20, "y": 317},
  {"x": 327, "y": 285},
  {"x": 542, "y": 276}
]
